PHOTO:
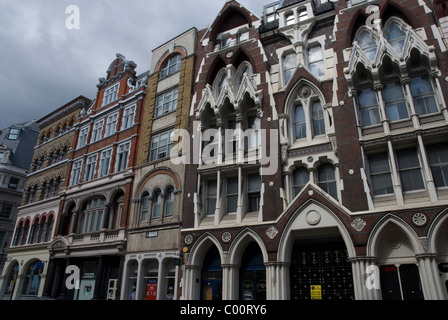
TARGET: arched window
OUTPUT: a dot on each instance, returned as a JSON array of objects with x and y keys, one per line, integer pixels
[
  {"x": 299, "y": 123},
  {"x": 172, "y": 65},
  {"x": 156, "y": 204},
  {"x": 169, "y": 202},
  {"x": 221, "y": 84},
  {"x": 289, "y": 66},
  {"x": 93, "y": 215},
  {"x": 301, "y": 178},
  {"x": 31, "y": 281},
  {"x": 327, "y": 179},
  {"x": 368, "y": 45},
  {"x": 368, "y": 106},
  {"x": 396, "y": 37},
  {"x": 144, "y": 207}
]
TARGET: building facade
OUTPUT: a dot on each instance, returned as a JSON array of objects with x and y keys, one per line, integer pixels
[
  {"x": 350, "y": 197},
  {"x": 297, "y": 155},
  {"x": 91, "y": 234},
  {"x": 151, "y": 269},
  {"x": 28, "y": 254},
  {"x": 16, "y": 151}
]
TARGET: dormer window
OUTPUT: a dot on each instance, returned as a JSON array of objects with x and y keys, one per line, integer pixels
[{"x": 14, "y": 134}]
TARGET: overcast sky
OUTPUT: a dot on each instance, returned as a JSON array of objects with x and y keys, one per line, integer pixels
[{"x": 44, "y": 65}]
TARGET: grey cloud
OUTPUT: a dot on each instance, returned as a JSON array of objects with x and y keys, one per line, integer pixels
[{"x": 44, "y": 65}]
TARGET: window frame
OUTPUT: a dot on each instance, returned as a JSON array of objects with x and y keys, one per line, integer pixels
[
  {"x": 123, "y": 154},
  {"x": 171, "y": 65},
  {"x": 155, "y": 152},
  {"x": 111, "y": 94},
  {"x": 168, "y": 98}
]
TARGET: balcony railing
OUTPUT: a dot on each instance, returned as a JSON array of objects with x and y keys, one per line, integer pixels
[{"x": 99, "y": 237}]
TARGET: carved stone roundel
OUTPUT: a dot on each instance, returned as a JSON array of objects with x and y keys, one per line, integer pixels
[
  {"x": 226, "y": 236},
  {"x": 188, "y": 239}
]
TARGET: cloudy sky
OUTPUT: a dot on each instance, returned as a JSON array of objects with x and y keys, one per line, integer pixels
[{"x": 45, "y": 65}]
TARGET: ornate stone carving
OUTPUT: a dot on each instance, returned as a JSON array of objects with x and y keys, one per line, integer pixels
[
  {"x": 188, "y": 239},
  {"x": 313, "y": 217},
  {"x": 272, "y": 232},
  {"x": 419, "y": 219},
  {"x": 358, "y": 224},
  {"x": 226, "y": 237}
]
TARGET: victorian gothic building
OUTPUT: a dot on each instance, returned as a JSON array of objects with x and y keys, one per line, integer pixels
[{"x": 296, "y": 155}]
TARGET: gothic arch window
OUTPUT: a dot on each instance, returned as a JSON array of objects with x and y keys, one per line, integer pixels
[
  {"x": 367, "y": 44},
  {"x": 308, "y": 119},
  {"x": 244, "y": 68},
  {"x": 396, "y": 37},
  {"x": 220, "y": 82}
]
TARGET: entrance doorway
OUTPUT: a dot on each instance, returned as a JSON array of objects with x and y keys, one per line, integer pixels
[
  {"x": 211, "y": 284},
  {"x": 252, "y": 274},
  {"x": 320, "y": 270}
]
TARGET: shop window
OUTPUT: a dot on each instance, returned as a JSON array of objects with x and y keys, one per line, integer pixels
[
  {"x": 31, "y": 281},
  {"x": 400, "y": 283}
]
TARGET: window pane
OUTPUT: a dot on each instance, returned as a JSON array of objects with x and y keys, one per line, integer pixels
[
  {"x": 396, "y": 38},
  {"x": 423, "y": 95},
  {"x": 438, "y": 160},
  {"x": 289, "y": 65},
  {"x": 380, "y": 174},
  {"x": 318, "y": 119},
  {"x": 410, "y": 172},
  {"x": 254, "y": 182},
  {"x": 299, "y": 123},
  {"x": 368, "y": 45},
  {"x": 301, "y": 178},
  {"x": 327, "y": 180},
  {"x": 368, "y": 106}
]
